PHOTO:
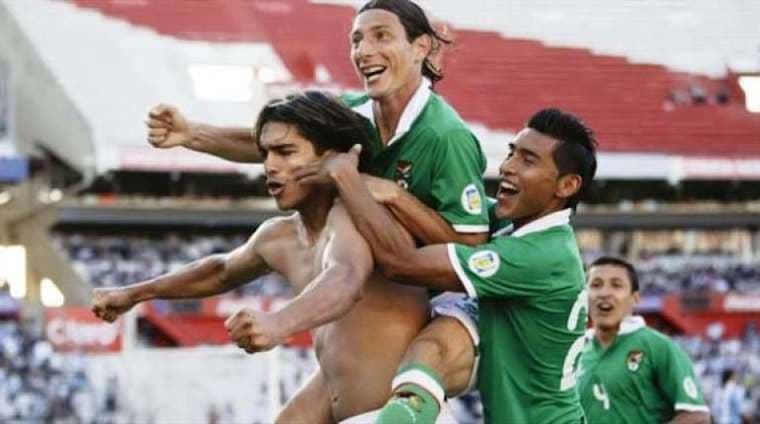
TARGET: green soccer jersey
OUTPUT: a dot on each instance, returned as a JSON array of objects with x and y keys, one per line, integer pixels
[
  {"x": 530, "y": 287},
  {"x": 643, "y": 377},
  {"x": 434, "y": 156}
]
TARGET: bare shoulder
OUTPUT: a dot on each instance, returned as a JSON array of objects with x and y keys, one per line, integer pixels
[
  {"x": 338, "y": 212},
  {"x": 339, "y": 220},
  {"x": 277, "y": 229}
]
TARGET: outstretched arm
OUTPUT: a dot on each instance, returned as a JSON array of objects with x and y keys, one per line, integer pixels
[
  {"x": 347, "y": 263},
  {"x": 168, "y": 127},
  {"x": 426, "y": 224},
  {"x": 205, "y": 277}
]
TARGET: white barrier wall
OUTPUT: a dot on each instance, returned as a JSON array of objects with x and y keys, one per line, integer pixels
[{"x": 184, "y": 385}]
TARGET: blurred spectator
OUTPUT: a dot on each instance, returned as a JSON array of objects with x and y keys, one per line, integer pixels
[{"x": 728, "y": 400}]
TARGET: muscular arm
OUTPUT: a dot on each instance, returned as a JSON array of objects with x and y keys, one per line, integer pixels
[
  {"x": 400, "y": 261},
  {"x": 347, "y": 264},
  {"x": 234, "y": 144},
  {"x": 208, "y": 276},
  {"x": 686, "y": 417}
]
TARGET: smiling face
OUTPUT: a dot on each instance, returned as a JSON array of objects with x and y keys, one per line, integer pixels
[
  {"x": 285, "y": 151},
  {"x": 386, "y": 62},
  {"x": 610, "y": 295},
  {"x": 531, "y": 186}
]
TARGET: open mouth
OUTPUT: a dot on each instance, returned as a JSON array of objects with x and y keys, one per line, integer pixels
[
  {"x": 604, "y": 307},
  {"x": 275, "y": 188},
  {"x": 372, "y": 73},
  {"x": 507, "y": 188}
]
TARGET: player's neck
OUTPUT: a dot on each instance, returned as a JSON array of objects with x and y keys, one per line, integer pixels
[
  {"x": 550, "y": 209},
  {"x": 606, "y": 336},
  {"x": 314, "y": 214},
  {"x": 388, "y": 110}
]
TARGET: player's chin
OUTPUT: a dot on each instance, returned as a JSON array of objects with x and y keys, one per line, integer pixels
[{"x": 507, "y": 210}]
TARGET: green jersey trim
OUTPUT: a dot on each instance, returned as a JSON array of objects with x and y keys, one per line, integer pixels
[
  {"x": 470, "y": 228},
  {"x": 554, "y": 219},
  {"x": 463, "y": 278},
  {"x": 691, "y": 408}
]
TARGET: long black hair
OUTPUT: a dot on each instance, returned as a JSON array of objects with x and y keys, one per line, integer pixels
[{"x": 321, "y": 119}]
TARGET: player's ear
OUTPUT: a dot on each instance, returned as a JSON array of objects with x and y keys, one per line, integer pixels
[
  {"x": 636, "y": 298},
  {"x": 568, "y": 185},
  {"x": 423, "y": 47}
]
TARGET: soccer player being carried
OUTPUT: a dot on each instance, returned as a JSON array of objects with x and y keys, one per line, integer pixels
[
  {"x": 429, "y": 165},
  {"x": 529, "y": 278},
  {"x": 363, "y": 322},
  {"x": 629, "y": 372}
]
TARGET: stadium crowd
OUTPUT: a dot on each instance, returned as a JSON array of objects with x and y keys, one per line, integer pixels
[
  {"x": 38, "y": 384},
  {"x": 713, "y": 355}
]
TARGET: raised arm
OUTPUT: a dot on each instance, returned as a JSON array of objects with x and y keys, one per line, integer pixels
[
  {"x": 205, "y": 277},
  {"x": 346, "y": 266},
  {"x": 168, "y": 127}
]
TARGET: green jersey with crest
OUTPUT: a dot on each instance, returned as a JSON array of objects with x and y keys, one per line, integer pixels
[
  {"x": 530, "y": 288},
  {"x": 643, "y": 377},
  {"x": 434, "y": 156}
]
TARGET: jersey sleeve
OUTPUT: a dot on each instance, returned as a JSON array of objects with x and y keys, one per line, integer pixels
[
  {"x": 505, "y": 267},
  {"x": 458, "y": 182},
  {"x": 677, "y": 379}
]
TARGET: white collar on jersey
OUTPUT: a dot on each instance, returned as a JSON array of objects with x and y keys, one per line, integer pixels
[
  {"x": 411, "y": 111},
  {"x": 552, "y": 220},
  {"x": 629, "y": 324}
]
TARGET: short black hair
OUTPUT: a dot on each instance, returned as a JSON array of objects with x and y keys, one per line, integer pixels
[
  {"x": 416, "y": 24},
  {"x": 576, "y": 152},
  {"x": 322, "y": 119},
  {"x": 622, "y": 263}
]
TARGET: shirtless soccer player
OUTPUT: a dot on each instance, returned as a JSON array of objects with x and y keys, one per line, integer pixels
[{"x": 361, "y": 321}]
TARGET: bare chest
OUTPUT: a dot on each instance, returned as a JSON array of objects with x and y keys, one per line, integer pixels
[{"x": 299, "y": 262}]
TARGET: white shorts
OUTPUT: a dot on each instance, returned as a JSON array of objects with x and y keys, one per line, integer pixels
[
  {"x": 444, "y": 417},
  {"x": 465, "y": 310}
]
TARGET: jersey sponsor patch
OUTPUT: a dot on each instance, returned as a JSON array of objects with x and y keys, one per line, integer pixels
[
  {"x": 472, "y": 202},
  {"x": 633, "y": 360},
  {"x": 690, "y": 387},
  {"x": 484, "y": 263}
]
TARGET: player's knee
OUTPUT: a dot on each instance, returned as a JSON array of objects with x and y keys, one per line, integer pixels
[{"x": 428, "y": 349}]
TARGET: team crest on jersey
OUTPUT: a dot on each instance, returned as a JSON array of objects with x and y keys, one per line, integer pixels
[
  {"x": 403, "y": 173},
  {"x": 484, "y": 263},
  {"x": 471, "y": 200},
  {"x": 633, "y": 360}
]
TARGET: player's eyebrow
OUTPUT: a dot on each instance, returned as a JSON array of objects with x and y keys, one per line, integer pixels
[
  {"x": 527, "y": 152},
  {"x": 378, "y": 27}
]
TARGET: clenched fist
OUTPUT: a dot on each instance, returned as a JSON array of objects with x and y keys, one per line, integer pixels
[
  {"x": 254, "y": 331},
  {"x": 108, "y": 304},
  {"x": 167, "y": 127}
]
